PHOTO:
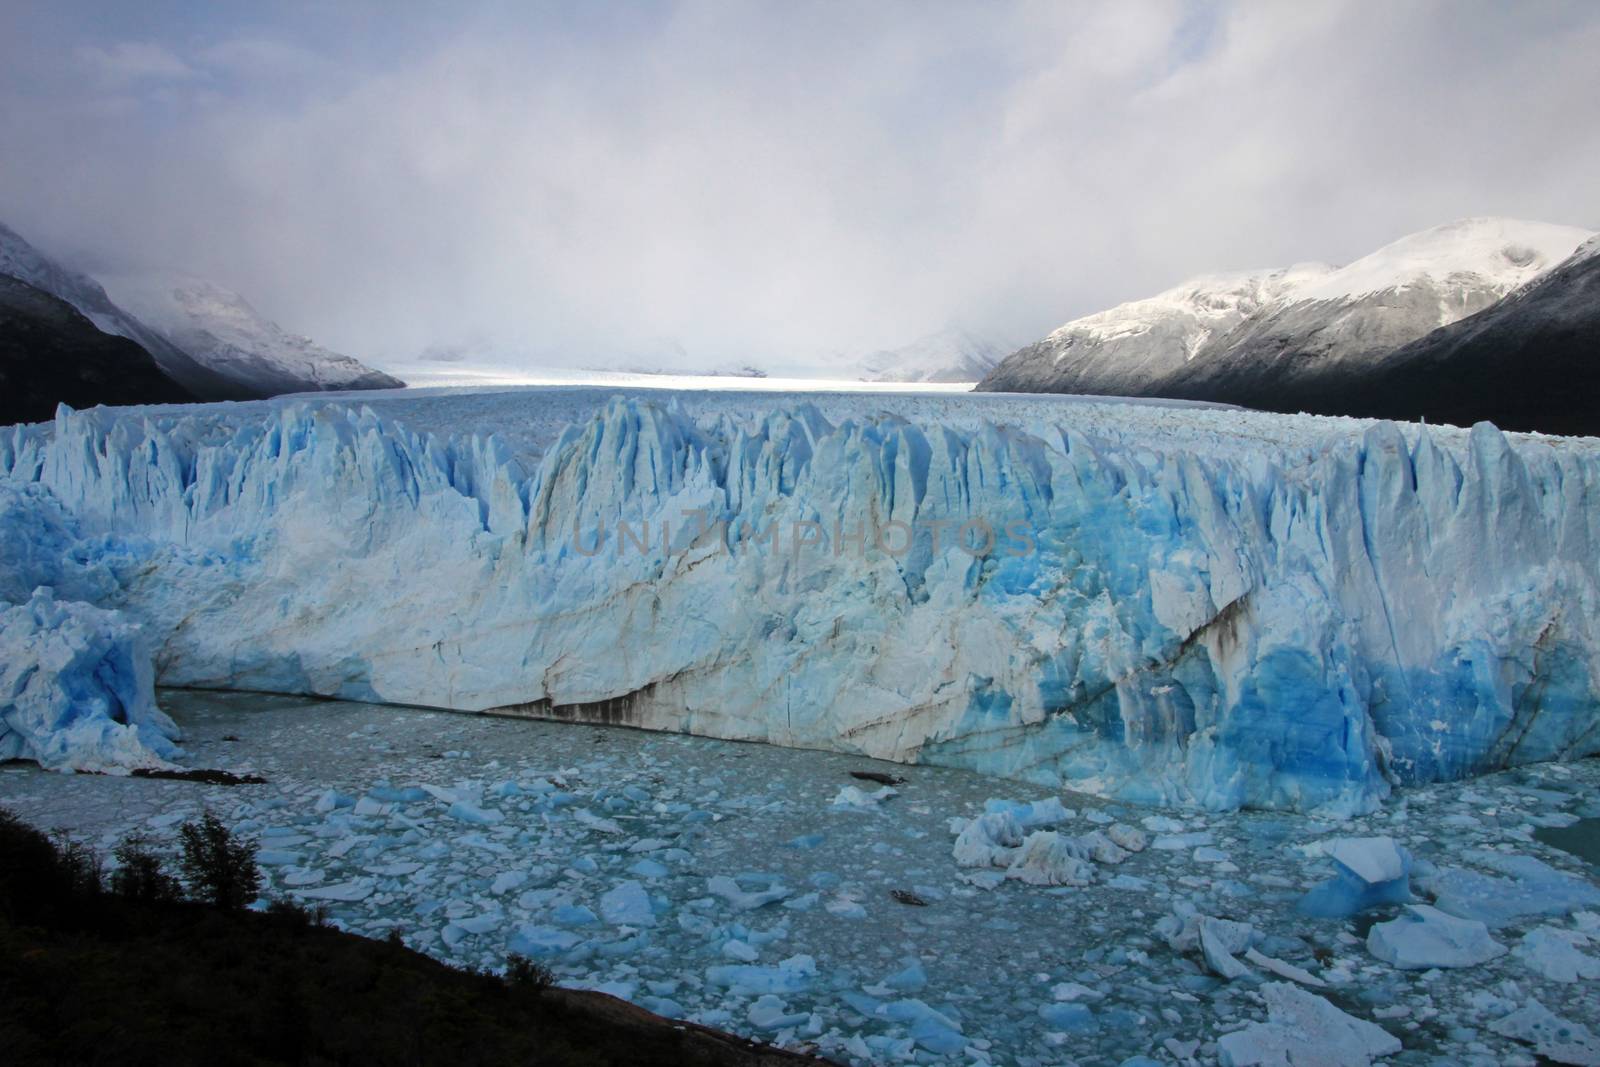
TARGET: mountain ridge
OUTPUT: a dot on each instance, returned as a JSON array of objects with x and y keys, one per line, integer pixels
[{"x": 1297, "y": 338}]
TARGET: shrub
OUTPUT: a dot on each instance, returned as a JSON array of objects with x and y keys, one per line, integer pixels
[
  {"x": 139, "y": 874},
  {"x": 37, "y": 880},
  {"x": 81, "y": 866},
  {"x": 219, "y": 867},
  {"x": 524, "y": 973},
  {"x": 297, "y": 916}
]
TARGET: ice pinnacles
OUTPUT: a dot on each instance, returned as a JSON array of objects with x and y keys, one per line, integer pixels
[
  {"x": 1292, "y": 617},
  {"x": 77, "y": 689}
]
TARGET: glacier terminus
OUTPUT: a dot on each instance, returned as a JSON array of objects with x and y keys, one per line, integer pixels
[{"x": 1175, "y": 603}]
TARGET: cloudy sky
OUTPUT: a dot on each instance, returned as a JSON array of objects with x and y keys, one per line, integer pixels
[{"x": 701, "y": 183}]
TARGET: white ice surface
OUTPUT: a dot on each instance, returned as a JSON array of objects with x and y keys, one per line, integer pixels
[{"x": 1198, "y": 605}]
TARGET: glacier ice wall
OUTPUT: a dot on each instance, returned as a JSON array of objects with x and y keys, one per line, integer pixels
[
  {"x": 1237, "y": 624},
  {"x": 77, "y": 691}
]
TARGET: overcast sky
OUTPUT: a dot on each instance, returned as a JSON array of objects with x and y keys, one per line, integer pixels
[{"x": 701, "y": 183}]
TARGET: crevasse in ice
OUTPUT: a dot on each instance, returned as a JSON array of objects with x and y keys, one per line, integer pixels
[{"x": 1156, "y": 620}]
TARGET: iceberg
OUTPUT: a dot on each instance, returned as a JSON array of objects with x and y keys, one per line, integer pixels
[
  {"x": 1424, "y": 937},
  {"x": 1369, "y": 872},
  {"x": 1162, "y": 605}
]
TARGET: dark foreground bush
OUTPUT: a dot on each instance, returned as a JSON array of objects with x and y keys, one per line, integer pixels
[
  {"x": 88, "y": 977},
  {"x": 140, "y": 874},
  {"x": 219, "y": 867}
]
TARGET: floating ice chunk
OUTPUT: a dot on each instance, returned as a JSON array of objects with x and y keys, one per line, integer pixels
[
  {"x": 277, "y": 857},
  {"x": 793, "y": 975},
  {"x": 936, "y": 1032},
  {"x": 1374, "y": 860},
  {"x": 742, "y": 951},
  {"x": 912, "y": 979},
  {"x": 1048, "y": 858},
  {"x": 303, "y": 876},
  {"x": 768, "y": 1013},
  {"x": 1283, "y": 970},
  {"x": 1550, "y": 1035},
  {"x": 355, "y": 889},
  {"x": 1424, "y": 937},
  {"x": 845, "y": 907},
  {"x": 729, "y": 889},
  {"x": 1304, "y": 1030},
  {"x": 1553, "y": 953},
  {"x": 595, "y": 822},
  {"x": 543, "y": 941},
  {"x": 506, "y": 881},
  {"x": 1127, "y": 837},
  {"x": 331, "y": 799},
  {"x": 1182, "y": 842},
  {"x": 1070, "y": 1017},
  {"x": 648, "y": 868},
  {"x": 1101, "y": 848},
  {"x": 1068, "y": 991},
  {"x": 1220, "y": 940},
  {"x": 1534, "y": 888},
  {"x": 573, "y": 915},
  {"x": 627, "y": 904},
  {"x": 1047, "y": 812},
  {"x": 471, "y": 813},
  {"x": 649, "y": 844},
  {"x": 852, "y": 798},
  {"x": 480, "y": 924},
  {"x": 990, "y": 840},
  {"x": 1368, "y": 872}
]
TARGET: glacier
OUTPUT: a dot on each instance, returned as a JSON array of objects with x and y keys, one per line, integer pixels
[
  {"x": 1178, "y": 605},
  {"x": 77, "y": 691}
]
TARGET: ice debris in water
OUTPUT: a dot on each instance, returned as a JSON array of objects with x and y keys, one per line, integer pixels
[
  {"x": 854, "y": 798},
  {"x": 1532, "y": 888},
  {"x": 1304, "y": 1029},
  {"x": 1424, "y": 937},
  {"x": 1044, "y": 857},
  {"x": 1551, "y": 1036},
  {"x": 1554, "y": 953},
  {"x": 1369, "y": 872}
]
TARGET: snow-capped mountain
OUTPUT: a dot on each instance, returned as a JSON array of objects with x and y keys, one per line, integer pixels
[
  {"x": 952, "y": 355},
  {"x": 50, "y": 353},
  {"x": 219, "y": 328},
  {"x": 1288, "y": 339},
  {"x": 1527, "y": 362},
  {"x": 20, "y": 260}
]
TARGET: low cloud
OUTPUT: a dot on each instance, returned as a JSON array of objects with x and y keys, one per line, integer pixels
[{"x": 777, "y": 183}]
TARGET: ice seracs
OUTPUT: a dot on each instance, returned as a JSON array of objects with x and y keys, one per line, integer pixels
[
  {"x": 1297, "y": 620},
  {"x": 77, "y": 689}
]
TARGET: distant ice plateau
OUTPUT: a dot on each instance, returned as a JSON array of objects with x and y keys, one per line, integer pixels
[{"x": 1214, "y": 608}]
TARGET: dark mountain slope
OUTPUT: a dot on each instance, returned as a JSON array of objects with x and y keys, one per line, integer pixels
[
  {"x": 50, "y": 353},
  {"x": 1530, "y": 362}
]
